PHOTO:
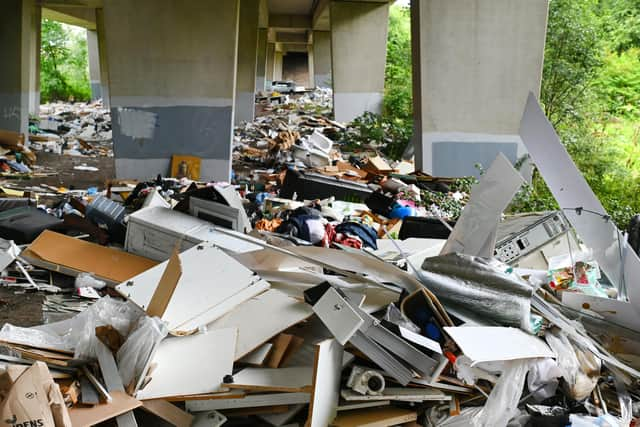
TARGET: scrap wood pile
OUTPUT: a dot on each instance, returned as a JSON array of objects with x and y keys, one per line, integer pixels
[
  {"x": 78, "y": 129},
  {"x": 208, "y": 313}
]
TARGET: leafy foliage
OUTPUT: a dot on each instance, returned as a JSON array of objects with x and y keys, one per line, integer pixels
[{"x": 64, "y": 71}]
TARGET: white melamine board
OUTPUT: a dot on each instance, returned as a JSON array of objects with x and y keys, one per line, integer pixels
[
  {"x": 274, "y": 379},
  {"x": 326, "y": 383},
  {"x": 475, "y": 231},
  {"x": 257, "y": 356},
  {"x": 189, "y": 365},
  {"x": 337, "y": 315},
  {"x": 571, "y": 190},
  {"x": 497, "y": 343},
  {"x": 405, "y": 394},
  {"x": 261, "y": 318},
  {"x": 209, "y": 278}
]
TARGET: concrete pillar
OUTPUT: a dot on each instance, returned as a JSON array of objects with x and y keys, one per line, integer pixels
[
  {"x": 247, "y": 46},
  {"x": 18, "y": 28},
  {"x": 277, "y": 65},
  {"x": 322, "y": 58},
  {"x": 35, "y": 40},
  {"x": 474, "y": 63},
  {"x": 358, "y": 51},
  {"x": 172, "y": 68},
  {"x": 103, "y": 61},
  {"x": 311, "y": 81},
  {"x": 94, "y": 65},
  {"x": 261, "y": 66},
  {"x": 271, "y": 53}
]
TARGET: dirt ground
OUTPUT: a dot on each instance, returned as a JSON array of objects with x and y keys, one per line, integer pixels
[{"x": 70, "y": 178}]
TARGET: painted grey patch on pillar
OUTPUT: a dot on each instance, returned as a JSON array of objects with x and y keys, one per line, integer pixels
[
  {"x": 12, "y": 110},
  {"x": 245, "y": 107},
  {"x": 201, "y": 131},
  {"x": 457, "y": 159}
]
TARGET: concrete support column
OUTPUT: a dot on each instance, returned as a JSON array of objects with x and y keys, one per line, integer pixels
[
  {"x": 474, "y": 63},
  {"x": 172, "y": 68},
  {"x": 271, "y": 52},
  {"x": 277, "y": 65},
  {"x": 19, "y": 25},
  {"x": 103, "y": 61},
  {"x": 311, "y": 81},
  {"x": 261, "y": 65},
  {"x": 322, "y": 58},
  {"x": 358, "y": 51},
  {"x": 94, "y": 65},
  {"x": 35, "y": 40},
  {"x": 247, "y": 47}
]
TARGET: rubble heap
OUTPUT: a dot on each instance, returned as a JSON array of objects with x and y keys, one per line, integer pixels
[
  {"x": 77, "y": 129},
  {"x": 339, "y": 294}
]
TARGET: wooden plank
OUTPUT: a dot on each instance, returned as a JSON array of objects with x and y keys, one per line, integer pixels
[
  {"x": 88, "y": 416},
  {"x": 261, "y": 318},
  {"x": 280, "y": 345},
  {"x": 326, "y": 383},
  {"x": 375, "y": 417},
  {"x": 296, "y": 379},
  {"x": 250, "y": 401},
  {"x": 168, "y": 412},
  {"x": 166, "y": 286},
  {"x": 193, "y": 364}
]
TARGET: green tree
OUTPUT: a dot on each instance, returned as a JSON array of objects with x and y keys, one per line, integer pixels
[{"x": 64, "y": 72}]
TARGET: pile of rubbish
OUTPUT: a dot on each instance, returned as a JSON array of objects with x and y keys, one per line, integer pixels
[
  {"x": 336, "y": 294},
  {"x": 76, "y": 129}
]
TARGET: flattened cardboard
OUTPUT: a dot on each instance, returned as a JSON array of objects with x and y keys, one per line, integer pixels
[
  {"x": 72, "y": 256},
  {"x": 89, "y": 416}
]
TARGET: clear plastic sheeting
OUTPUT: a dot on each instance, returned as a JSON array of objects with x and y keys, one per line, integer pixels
[
  {"x": 580, "y": 370},
  {"x": 397, "y": 317},
  {"x": 483, "y": 286},
  {"x": 542, "y": 380},
  {"x": 132, "y": 357},
  {"x": 78, "y": 333},
  {"x": 502, "y": 404}
]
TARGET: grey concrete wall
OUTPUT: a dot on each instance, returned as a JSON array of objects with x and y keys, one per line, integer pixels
[
  {"x": 103, "y": 60},
  {"x": 18, "y": 19},
  {"x": 322, "y": 58},
  {"x": 277, "y": 65},
  {"x": 94, "y": 64},
  {"x": 358, "y": 51},
  {"x": 261, "y": 58},
  {"x": 474, "y": 63},
  {"x": 247, "y": 47},
  {"x": 171, "y": 81},
  {"x": 271, "y": 51}
]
